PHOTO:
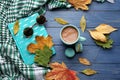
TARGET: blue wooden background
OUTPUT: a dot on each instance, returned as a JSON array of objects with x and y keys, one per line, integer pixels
[{"x": 105, "y": 61}]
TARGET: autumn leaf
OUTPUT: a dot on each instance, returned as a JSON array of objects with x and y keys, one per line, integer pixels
[
  {"x": 83, "y": 23},
  {"x": 107, "y": 44},
  {"x": 105, "y": 28},
  {"x": 84, "y": 61},
  {"x": 41, "y": 42},
  {"x": 61, "y": 21},
  {"x": 89, "y": 72},
  {"x": 80, "y": 4},
  {"x": 16, "y": 27},
  {"x": 60, "y": 72},
  {"x": 42, "y": 57},
  {"x": 97, "y": 35}
]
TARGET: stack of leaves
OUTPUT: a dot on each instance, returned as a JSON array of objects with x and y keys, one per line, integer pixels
[
  {"x": 42, "y": 50},
  {"x": 60, "y": 72},
  {"x": 80, "y": 4},
  {"x": 99, "y": 35}
]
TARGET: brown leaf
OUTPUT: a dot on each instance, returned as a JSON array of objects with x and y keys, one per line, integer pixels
[
  {"x": 80, "y": 4},
  {"x": 105, "y": 28},
  {"x": 41, "y": 42},
  {"x": 60, "y": 72},
  {"x": 98, "y": 35},
  {"x": 89, "y": 72},
  {"x": 84, "y": 61},
  {"x": 16, "y": 27},
  {"x": 61, "y": 21}
]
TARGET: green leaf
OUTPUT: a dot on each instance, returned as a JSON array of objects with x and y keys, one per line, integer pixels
[
  {"x": 89, "y": 72},
  {"x": 42, "y": 57},
  {"x": 16, "y": 27},
  {"x": 83, "y": 23},
  {"x": 107, "y": 44}
]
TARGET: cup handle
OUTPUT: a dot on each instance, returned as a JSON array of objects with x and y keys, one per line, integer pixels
[{"x": 82, "y": 39}]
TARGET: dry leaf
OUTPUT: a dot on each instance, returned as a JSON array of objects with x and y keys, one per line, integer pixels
[
  {"x": 83, "y": 23},
  {"x": 60, "y": 72},
  {"x": 84, "y": 61},
  {"x": 16, "y": 27},
  {"x": 41, "y": 42},
  {"x": 89, "y": 72},
  {"x": 105, "y": 28},
  {"x": 98, "y": 35},
  {"x": 80, "y": 4},
  {"x": 61, "y": 21}
]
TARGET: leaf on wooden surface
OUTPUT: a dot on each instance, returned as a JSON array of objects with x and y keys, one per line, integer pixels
[
  {"x": 98, "y": 35},
  {"x": 107, "y": 44},
  {"x": 84, "y": 61},
  {"x": 60, "y": 72},
  {"x": 61, "y": 21},
  {"x": 80, "y": 4},
  {"x": 16, "y": 27},
  {"x": 83, "y": 23},
  {"x": 105, "y": 28},
  {"x": 42, "y": 57},
  {"x": 41, "y": 42},
  {"x": 89, "y": 72}
]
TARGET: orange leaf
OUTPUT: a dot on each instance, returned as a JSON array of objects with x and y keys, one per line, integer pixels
[
  {"x": 60, "y": 72},
  {"x": 41, "y": 42},
  {"x": 80, "y": 4},
  {"x": 84, "y": 61}
]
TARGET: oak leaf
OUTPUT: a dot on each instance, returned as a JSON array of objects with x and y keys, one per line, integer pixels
[
  {"x": 60, "y": 72},
  {"x": 80, "y": 4},
  {"x": 84, "y": 61},
  {"x": 98, "y": 35},
  {"x": 105, "y": 28},
  {"x": 41, "y": 42}
]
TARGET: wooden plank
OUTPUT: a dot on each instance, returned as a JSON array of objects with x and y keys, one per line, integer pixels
[
  {"x": 55, "y": 33},
  {"x": 93, "y": 18},
  {"x": 106, "y": 71},
  {"x": 93, "y": 53}
]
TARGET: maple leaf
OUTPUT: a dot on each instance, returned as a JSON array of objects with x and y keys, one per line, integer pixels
[
  {"x": 41, "y": 42},
  {"x": 80, "y": 4},
  {"x": 60, "y": 72},
  {"x": 42, "y": 57}
]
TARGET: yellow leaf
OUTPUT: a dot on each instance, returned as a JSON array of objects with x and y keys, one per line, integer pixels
[
  {"x": 61, "y": 21},
  {"x": 105, "y": 28},
  {"x": 89, "y": 72},
  {"x": 84, "y": 61},
  {"x": 16, "y": 27},
  {"x": 98, "y": 35},
  {"x": 83, "y": 23}
]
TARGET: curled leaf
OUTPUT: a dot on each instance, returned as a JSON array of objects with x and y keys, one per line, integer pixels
[
  {"x": 84, "y": 61},
  {"x": 89, "y": 72},
  {"x": 98, "y": 35},
  {"x": 61, "y": 21},
  {"x": 60, "y": 72},
  {"x": 105, "y": 28},
  {"x": 83, "y": 23},
  {"x": 80, "y": 4},
  {"x": 16, "y": 27}
]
